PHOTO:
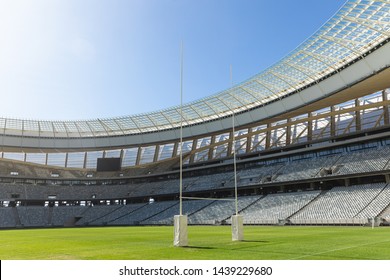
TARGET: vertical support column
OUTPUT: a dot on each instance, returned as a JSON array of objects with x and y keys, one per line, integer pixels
[
  {"x": 288, "y": 132},
  {"x": 310, "y": 127},
  {"x": 137, "y": 161},
  {"x": 66, "y": 159},
  {"x": 175, "y": 149},
  {"x": 249, "y": 140},
  {"x": 332, "y": 122},
  {"x": 230, "y": 144},
  {"x": 211, "y": 149},
  {"x": 192, "y": 158},
  {"x": 385, "y": 108},
  {"x": 268, "y": 137},
  {"x": 156, "y": 152},
  {"x": 121, "y": 155},
  {"x": 85, "y": 160},
  {"x": 358, "y": 119}
]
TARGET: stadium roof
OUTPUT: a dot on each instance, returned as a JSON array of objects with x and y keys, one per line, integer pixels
[{"x": 358, "y": 27}]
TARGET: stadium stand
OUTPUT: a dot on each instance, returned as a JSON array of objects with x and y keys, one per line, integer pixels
[
  {"x": 343, "y": 205},
  {"x": 273, "y": 208},
  {"x": 219, "y": 211},
  {"x": 312, "y": 146},
  {"x": 7, "y": 218},
  {"x": 105, "y": 204}
]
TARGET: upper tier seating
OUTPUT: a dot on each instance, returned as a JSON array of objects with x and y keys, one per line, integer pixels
[
  {"x": 273, "y": 207},
  {"x": 341, "y": 203}
]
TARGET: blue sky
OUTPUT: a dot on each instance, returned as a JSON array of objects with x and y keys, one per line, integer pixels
[{"x": 85, "y": 59}]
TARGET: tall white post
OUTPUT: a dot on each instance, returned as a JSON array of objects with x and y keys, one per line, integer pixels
[
  {"x": 237, "y": 220},
  {"x": 181, "y": 221}
]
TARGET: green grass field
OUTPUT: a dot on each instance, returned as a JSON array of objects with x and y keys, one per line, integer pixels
[{"x": 205, "y": 243}]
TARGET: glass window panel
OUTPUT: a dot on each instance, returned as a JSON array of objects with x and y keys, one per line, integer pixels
[
  {"x": 113, "y": 153},
  {"x": 76, "y": 160},
  {"x": 56, "y": 159},
  {"x": 14, "y": 156},
  {"x": 129, "y": 157},
  {"x": 165, "y": 151},
  {"x": 39, "y": 158},
  {"x": 147, "y": 154}
]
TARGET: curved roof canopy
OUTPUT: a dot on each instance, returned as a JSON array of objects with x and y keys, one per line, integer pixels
[{"x": 354, "y": 30}]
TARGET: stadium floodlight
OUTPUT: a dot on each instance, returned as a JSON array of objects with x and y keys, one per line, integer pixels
[
  {"x": 237, "y": 220},
  {"x": 181, "y": 221}
]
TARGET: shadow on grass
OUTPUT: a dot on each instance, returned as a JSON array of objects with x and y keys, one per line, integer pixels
[
  {"x": 254, "y": 241},
  {"x": 200, "y": 247},
  {"x": 214, "y": 248}
]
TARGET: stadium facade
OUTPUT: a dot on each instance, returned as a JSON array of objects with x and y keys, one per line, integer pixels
[{"x": 311, "y": 131}]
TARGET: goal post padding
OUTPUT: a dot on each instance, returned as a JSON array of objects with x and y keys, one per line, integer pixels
[
  {"x": 237, "y": 228},
  {"x": 180, "y": 231}
]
